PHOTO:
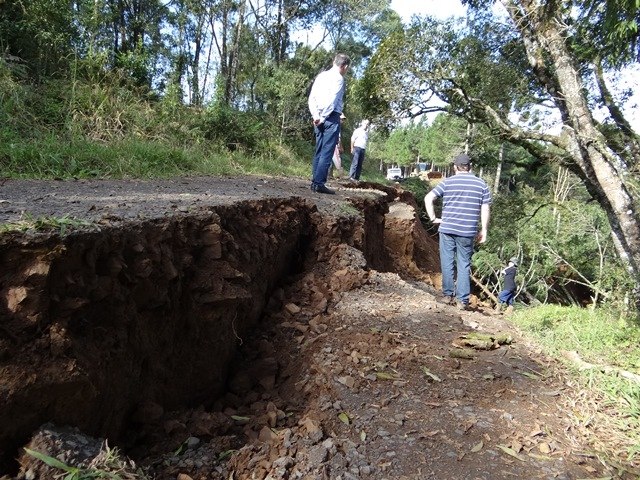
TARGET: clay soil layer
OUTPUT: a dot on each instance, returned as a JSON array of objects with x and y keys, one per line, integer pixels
[{"x": 248, "y": 328}]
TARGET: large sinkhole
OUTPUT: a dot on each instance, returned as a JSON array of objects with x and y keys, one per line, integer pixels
[{"x": 109, "y": 330}]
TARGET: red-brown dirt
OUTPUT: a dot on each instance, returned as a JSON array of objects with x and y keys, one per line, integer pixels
[{"x": 246, "y": 328}]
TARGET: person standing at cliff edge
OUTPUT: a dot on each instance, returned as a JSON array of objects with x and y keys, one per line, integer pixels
[
  {"x": 358, "y": 146},
  {"x": 326, "y": 102}
]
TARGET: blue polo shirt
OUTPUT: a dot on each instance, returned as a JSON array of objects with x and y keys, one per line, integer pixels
[{"x": 462, "y": 196}]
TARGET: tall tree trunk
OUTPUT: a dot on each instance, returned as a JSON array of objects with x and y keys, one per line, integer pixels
[
  {"x": 467, "y": 138},
  {"x": 196, "y": 97},
  {"x": 496, "y": 185},
  {"x": 600, "y": 168},
  {"x": 234, "y": 52}
]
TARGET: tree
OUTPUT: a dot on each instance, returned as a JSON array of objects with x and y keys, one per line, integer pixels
[
  {"x": 443, "y": 139},
  {"x": 39, "y": 34},
  {"x": 434, "y": 61},
  {"x": 564, "y": 244}
]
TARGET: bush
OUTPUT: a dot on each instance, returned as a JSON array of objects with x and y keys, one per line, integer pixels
[
  {"x": 234, "y": 129},
  {"x": 566, "y": 251},
  {"x": 600, "y": 337}
]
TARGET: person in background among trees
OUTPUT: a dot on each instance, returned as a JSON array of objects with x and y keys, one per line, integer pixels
[
  {"x": 508, "y": 293},
  {"x": 466, "y": 199},
  {"x": 337, "y": 158},
  {"x": 326, "y": 102},
  {"x": 358, "y": 145}
]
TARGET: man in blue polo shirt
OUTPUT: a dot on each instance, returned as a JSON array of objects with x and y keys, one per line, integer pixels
[{"x": 465, "y": 202}]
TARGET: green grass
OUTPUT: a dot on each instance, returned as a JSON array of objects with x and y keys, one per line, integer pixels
[
  {"x": 600, "y": 335},
  {"x": 610, "y": 402},
  {"x": 350, "y": 210},
  {"x": 44, "y": 224},
  {"x": 50, "y": 156}
]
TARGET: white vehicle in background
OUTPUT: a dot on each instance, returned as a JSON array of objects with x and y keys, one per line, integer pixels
[{"x": 394, "y": 173}]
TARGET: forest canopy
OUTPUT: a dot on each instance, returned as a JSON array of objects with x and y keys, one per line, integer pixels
[{"x": 178, "y": 84}]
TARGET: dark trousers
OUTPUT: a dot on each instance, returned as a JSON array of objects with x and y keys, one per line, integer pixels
[
  {"x": 507, "y": 296},
  {"x": 327, "y": 134},
  {"x": 356, "y": 163}
]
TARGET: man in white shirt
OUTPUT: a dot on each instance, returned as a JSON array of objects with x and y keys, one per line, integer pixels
[
  {"x": 358, "y": 146},
  {"x": 326, "y": 104}
]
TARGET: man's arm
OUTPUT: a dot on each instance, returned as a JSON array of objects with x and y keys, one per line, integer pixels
[
  {"x": 428, "y": 203},
  {"x": 484, "y": 222}
]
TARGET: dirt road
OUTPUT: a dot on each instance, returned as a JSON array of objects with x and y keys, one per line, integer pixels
[{"x": 352, "y": 371}]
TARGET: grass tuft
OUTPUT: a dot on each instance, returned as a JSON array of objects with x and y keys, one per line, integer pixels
[
  {"x": 44, "y": 224},
  {"x": 606, "y": 376},
  {"x": 108, "y": 464}
]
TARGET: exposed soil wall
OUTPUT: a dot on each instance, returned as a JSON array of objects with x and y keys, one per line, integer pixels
[
  {"x": 96, "y": 325},
  {"x": 249, "y": 328}
]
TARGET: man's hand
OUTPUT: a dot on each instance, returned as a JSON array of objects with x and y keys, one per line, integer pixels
[
  {"x": 316, "y": 122},
  {"x": 482, "y": 236}
]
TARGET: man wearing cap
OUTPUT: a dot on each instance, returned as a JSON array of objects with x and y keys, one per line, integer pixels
[
  {"x": 466, "y": 200},
  {"x": 325, "y": 104},
  {"x": 508, "y": 293}
]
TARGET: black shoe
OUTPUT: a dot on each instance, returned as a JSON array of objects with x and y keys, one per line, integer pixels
[
  {"x": 313, "y": 187},
  {"x": 323, "y": 189}
]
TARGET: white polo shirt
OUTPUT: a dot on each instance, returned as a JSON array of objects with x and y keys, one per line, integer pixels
[
  {"x": 326, "y": 94},
  {"x": 360, "y": 137}
]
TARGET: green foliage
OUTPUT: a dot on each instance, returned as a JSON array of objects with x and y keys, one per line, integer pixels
[
  {"x": 39, "y": 33},
  {"x": 232, "y": 128},
  {"x": 342, "y": 19},
  {"x": 407, "y": 144},
  {"x": 564, "y": 245},
  {"x": 608, "y": 30},
  {"x": 282, "y": 91},
  {"x": 385, "y": 23},
  {"x": 398, "y": 148},
  {"x": 375, "y": 92},
  {"x": 602, "y": 338},
  {"x": 99, "y": 125},
  {"x": 12, "y": 95},
  {"x": 443, "y": 140},
  {"x": 449, "y": 62}
]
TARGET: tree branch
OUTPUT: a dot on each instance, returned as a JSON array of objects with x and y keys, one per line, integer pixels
[{"x": 574, "y": 357}]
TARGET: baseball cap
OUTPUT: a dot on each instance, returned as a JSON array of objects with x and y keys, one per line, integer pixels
[
  {"x": 514, "y": 260},
  {"x": 462, "y": 160}
]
